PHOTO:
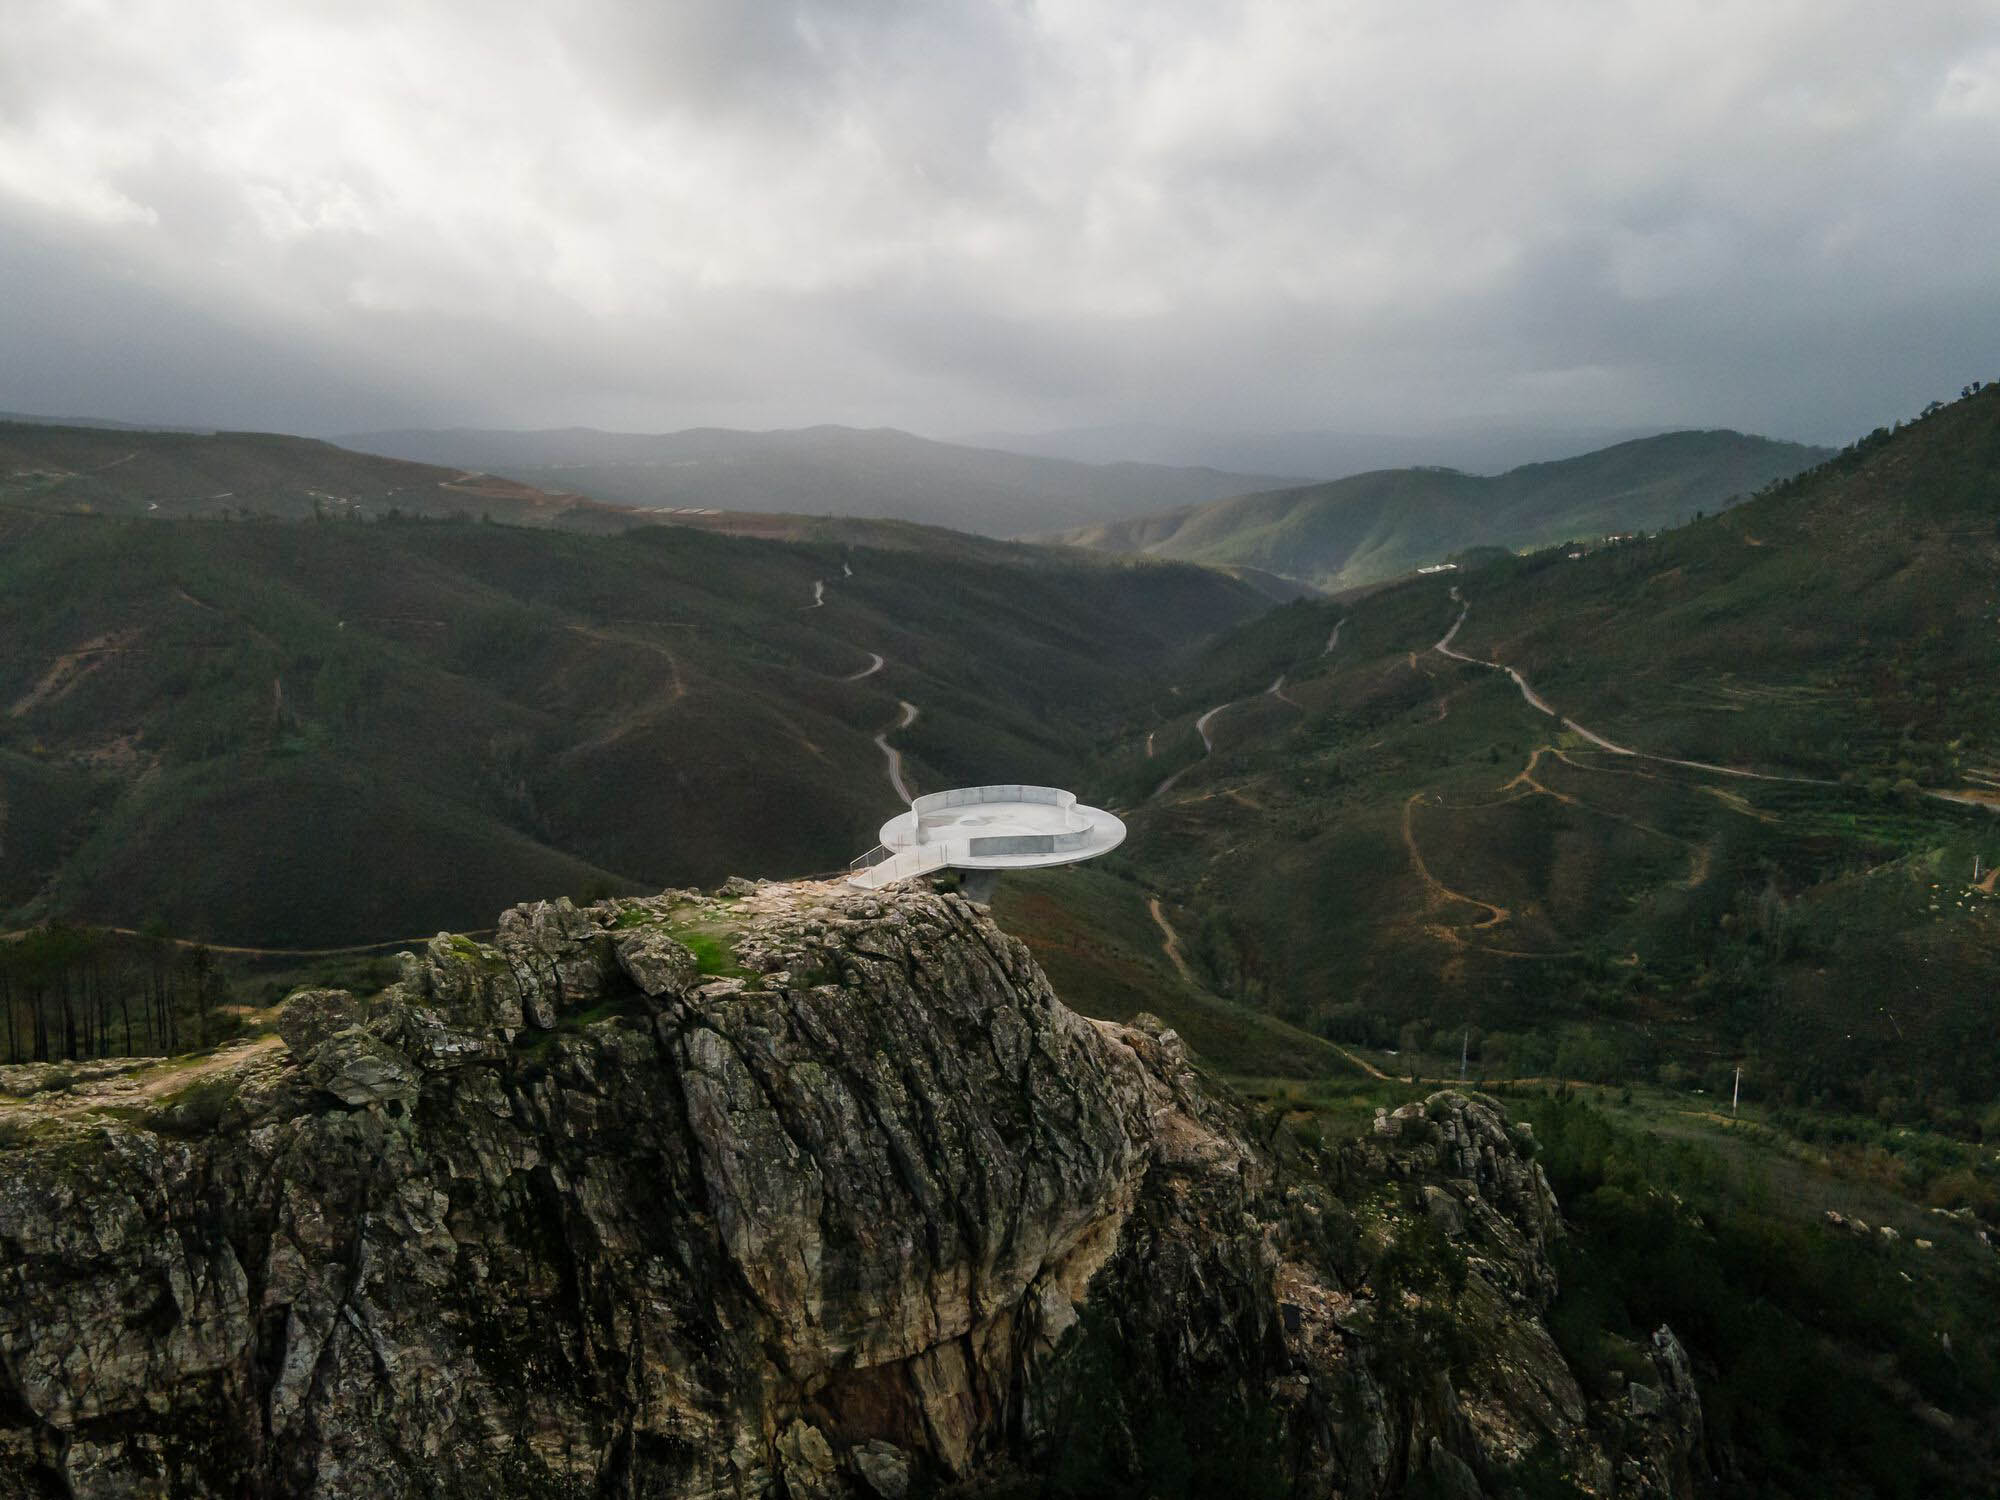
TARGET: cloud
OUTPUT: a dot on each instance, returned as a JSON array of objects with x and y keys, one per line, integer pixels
[{"x": 1274, "y": 213}]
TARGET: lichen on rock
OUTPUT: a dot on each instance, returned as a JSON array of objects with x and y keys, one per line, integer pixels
[{"x": 564, "y": 1214}]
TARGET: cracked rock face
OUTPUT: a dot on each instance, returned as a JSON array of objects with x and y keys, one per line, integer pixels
[{"x": 568, "y": 1215}]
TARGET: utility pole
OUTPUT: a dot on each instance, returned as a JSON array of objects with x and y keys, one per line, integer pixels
[
  {"x": 1736, "y": 1090},
  {"x": 1464, "y": 1050}
]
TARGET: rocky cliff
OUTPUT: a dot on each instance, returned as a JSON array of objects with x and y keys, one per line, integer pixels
[{"x": 786, "y": 1191}]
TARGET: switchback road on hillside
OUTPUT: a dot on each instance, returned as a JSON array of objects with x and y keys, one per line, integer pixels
[
  {"x": 1201, "y": 726},
  {"x": 892, "y": 754},
  {"x": 1535, "y": 700},
  {"x": 1207, "y": 749}
]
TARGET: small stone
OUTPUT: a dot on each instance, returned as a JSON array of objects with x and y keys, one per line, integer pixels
[
  {"x": 806, "y": 1460},
  {"x": 883, "y": 1467}
]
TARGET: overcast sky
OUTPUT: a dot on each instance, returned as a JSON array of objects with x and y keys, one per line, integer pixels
[{"x": 1384, "y": 215}]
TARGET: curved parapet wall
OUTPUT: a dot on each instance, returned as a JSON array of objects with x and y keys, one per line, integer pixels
[
  {"x": 946, "y": 809},
  {"x": 1005, "y": 826}
]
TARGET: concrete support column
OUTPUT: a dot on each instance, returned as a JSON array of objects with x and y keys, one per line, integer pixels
[{"x": 978, "y": 885}]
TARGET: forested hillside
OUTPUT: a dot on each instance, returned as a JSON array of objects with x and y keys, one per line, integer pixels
[{"x": 1379, "y": 525}]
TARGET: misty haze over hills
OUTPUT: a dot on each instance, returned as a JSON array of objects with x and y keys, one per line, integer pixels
[
  {"x": 1316, "y": 454},
  {"x": 1372, "y": 526},
  {"x": 821, "y": 471},
  {"x": 1534, "y": 1036}
]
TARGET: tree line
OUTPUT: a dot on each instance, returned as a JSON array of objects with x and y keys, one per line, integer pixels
[{"x": 70, "y": 993}]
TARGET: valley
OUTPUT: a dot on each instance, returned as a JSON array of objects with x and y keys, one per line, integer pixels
[
  {"x": 1608, "y": 832},
  {"x": 822, "y": 471}
]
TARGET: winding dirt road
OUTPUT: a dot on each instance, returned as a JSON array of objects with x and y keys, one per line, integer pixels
[
  {"x": 1535, "y": 700},
  {"x": 892, "y": 754},
  {"x": 1201, "y": 726}
]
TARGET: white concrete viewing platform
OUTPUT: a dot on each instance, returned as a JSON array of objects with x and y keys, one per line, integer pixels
[{"x": 987, "y": 828}]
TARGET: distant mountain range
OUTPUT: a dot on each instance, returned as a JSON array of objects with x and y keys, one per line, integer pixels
[
  {"x": 1371, "y": 527},
  {"x": 821, "y": 471},
  {"x": 112, "y": 470},
  {"x": 1310, "y": 454}
]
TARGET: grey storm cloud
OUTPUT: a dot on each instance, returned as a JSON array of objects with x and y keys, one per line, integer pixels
[{"x": 1385, "y": 214}]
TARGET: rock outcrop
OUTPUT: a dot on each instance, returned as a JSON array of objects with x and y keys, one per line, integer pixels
[{"x": 790, "y": 1192}]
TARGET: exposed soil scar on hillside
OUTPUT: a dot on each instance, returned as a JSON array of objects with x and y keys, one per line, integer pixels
[{"x": 71, "y": 668}]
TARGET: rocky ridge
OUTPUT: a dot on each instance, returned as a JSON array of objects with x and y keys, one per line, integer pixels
[{"x": 783, "y": 1191}]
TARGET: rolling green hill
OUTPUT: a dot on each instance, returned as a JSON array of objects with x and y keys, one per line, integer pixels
[
  {"x": 120, "y": 471},
  {"x": 1726, "y": 841},
  {"x": 308, "y": 734},
  {"x": 1397, "y": 837},
  {"x": 820, "y": 471},
  {"x": 1375, "y": 526}
]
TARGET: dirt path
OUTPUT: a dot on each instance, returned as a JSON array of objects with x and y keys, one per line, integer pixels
[
  {"x": 1207, "y": 749},
  {"x": 1277, "y": 690},
  {"x": 819, "y": 595},
  {"x": 679, "y": 682},
  {"x": 1201, "y": 727},
  {"x": 135, "y": 1083},
  {"x": 1171, "y": 942},
  {"x": 875, "y": 665},
  {"x": 1535, "y": 700},
  {"x": 70, "y": 668},
  {"x": 895, "y": 756},
  {"x": 1437, "y": 892},
  {"x": 1334, "y": 639}
]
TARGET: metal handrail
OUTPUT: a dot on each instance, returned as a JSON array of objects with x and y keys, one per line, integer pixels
[
  {"x": 874, "y": 856},
  {"x": 902, "y": 866}
]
